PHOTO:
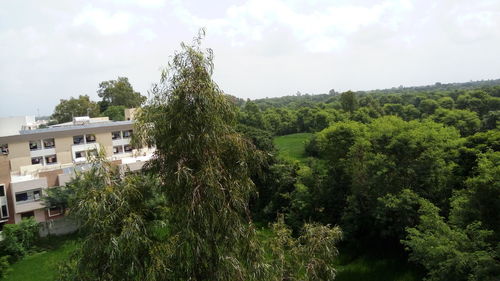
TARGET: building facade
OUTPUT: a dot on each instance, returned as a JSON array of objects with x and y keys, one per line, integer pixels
[{"x": 35, "y": 160}]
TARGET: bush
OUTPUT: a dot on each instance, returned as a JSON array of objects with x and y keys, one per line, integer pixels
[
  {"x": 20, "y": 238},
  {"x": 4, "y": 266}
]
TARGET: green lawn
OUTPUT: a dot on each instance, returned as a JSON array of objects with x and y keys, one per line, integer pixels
[
  {"x": 292, "y": 146},
  {"x": 42, "y": 266}
]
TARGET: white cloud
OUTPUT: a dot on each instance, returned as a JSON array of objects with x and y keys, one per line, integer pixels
[
  {"x": 146, "y": 3},
  {"x": 321, "y": 30},
  {"x": 105, "y": 22}
]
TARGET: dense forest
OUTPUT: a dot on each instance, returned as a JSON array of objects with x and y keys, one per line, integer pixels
[{"x": 414, "y": 170}]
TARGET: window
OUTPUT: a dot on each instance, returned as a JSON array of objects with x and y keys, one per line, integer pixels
[
  {"x": 36, "y": 160},
  {"x": 117, "y": 149},
  {"x": 78, "y": 140},
  {"x": 90, "y": 138},
  {"x": 2, "y": 190},
  {"x": 20, "y": 197},
  {"x": 4, "y": 212},
  {"x": 28, "y": 215},
  {"x": 116, "y": 135},
  {"x": 79, "y": 154},
  {"x": 35, "y": 145},
  {"x": 49, "y": 143},
  {"x": 51, "y": 159},
  {"x": 4, "y": 149},
  {"x": 127, "y": 148},
  {"x": 127, "y": 134},
  {"x": 28, "y": 196}
]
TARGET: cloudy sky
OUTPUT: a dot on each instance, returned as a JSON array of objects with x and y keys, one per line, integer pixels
[{"x": 51, "y": 50}]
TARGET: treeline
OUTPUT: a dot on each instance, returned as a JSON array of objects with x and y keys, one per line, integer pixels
[
  {"x": 415, "y": 171},
  {"x": 468, "y": 110}
]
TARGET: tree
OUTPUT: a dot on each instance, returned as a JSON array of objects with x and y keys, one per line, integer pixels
[
  {"x": 428, "y": 106},
  {"x": 349, "y": 101},
  {"x": 122, "y": 223},
  {"x": 119, "y": 92},
  {"x": 67, "y": 109},
  {"x": 467, "y": 122},
  {"x": 451, "y": 253},
  {"x": 446, "y": 102},
  {"x": 203, "y": 166},
  {"x": 115, "y": 112}
]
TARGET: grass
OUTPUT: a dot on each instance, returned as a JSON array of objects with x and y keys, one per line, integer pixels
[
  {"x": 42, "y": 265},
  {"x": 376, "y": 269},
  {"x": 292, "y": 146}
]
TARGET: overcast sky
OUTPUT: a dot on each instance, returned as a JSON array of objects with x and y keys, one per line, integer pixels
[{"x": 51, "y": 50}]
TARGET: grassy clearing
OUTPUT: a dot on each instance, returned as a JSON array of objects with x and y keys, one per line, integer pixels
[
  {"x": 42, "y": 266},
  {"x": 292, "y": 146},
  {"x": 376, "y": 269}
]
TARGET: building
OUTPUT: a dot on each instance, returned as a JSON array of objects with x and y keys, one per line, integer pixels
[
  {"x": 32, "y": 161},
  {"x": 12, "y": 125}
]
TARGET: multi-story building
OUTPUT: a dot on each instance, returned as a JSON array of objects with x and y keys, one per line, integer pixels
[{"x": 34, "y": 160}]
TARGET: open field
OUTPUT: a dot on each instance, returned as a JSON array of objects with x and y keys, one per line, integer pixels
[{"x": 292, "y": 146}]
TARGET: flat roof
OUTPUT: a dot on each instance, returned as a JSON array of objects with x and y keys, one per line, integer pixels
[{"x": 27, "y": 135}]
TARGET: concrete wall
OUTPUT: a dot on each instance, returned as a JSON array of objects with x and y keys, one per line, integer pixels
[
  {"x": 19, "y": 155},
  {"x": 59, "y": 226},
  {"x": 5, "y": 179},
  {"x": 63, "y": 179},
  {"x": 28, "y": 185},
  {"x": 19, "y": 149},
  {"x": 40, "y": 216},
  {"x": 51, "y": 176},
  {"x": 12, "y": 125},
  {"x": 105, "y": 140},
  {"x": 63, "y": 150}
]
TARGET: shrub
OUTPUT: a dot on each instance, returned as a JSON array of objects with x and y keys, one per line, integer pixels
[{"x": 20, "y": 238}]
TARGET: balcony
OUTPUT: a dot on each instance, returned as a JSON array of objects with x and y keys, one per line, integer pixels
[{"x": 27, "y": 192}]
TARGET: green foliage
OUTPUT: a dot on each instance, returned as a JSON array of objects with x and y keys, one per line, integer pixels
[
  {"x": 262, "y": 139},
  {"x": 4, "y": 266},
  {"x": 115, "y": 112},
  {"x": 446, "y": 102},
  {"x": 120, "y": 218},
  {"x": 203, "y": 166},
  {"x": 451, "y": 253},
  {"x": 311, "y": 256},
  {"x": 492, "y": 120},
  {"x": 385, "y": 157},
  {"x": 19, "y": 238},
  {"x": 428, "y": 106},
  {"x": 375, "y": 268},
  {"x": 349, "y": 101},
  {"x": 394, "y": 213},
  {"x": 81, "y": 106},
  {"x": 467, "y": 122},
  {"x": 482, "y": 202},
  {"x": 119, "y": 92}
]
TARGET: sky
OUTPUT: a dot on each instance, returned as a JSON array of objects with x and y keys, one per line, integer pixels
[{"x": 52, "y": 50}]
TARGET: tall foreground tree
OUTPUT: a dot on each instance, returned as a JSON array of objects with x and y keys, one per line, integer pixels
[
  {"x": 203, "y": 165},
  {"x": 186, "y": 216}
]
